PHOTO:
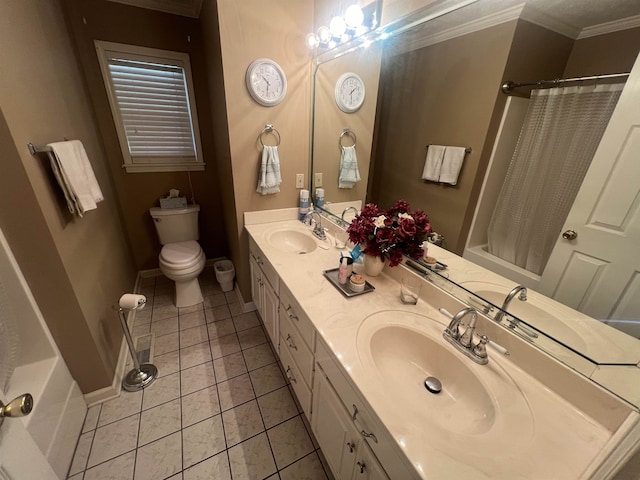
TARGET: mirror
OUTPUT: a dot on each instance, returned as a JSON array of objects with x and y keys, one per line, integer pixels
[{"x": 438, "y": 83}]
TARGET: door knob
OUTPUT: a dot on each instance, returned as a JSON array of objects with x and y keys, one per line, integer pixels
[
  {"x": 18, "y": 407},
  {"x": 569, "y": 234}
]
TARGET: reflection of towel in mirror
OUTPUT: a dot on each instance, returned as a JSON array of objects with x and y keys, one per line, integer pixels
[
  {"x": 74, "y": 173},
  {"x": 433, "y": 163},
  {"x": 451, "y": 164},
  {"x": 269, "y": 177},
  {"x": 349, "y": 173}
]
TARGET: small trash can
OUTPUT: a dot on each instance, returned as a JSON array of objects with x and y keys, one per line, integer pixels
[{"x": 225, "y": 272}]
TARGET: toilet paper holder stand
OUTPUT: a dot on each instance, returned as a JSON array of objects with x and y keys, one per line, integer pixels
[{"x": 142, "y": 375}]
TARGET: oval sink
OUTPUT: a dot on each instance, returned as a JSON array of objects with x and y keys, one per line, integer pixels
[
  {"x": 479, "y": 407},
  {"x": 292, "y": 241}
]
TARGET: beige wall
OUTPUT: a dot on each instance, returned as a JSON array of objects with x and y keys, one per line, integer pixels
[
  {"x": 76, "y": 268},
  {"x": 330, "y": 121},
  {"x": 91, "y": 20},
  {"x": 247, "y": 33}
]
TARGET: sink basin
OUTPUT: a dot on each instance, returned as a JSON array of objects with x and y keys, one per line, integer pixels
[
  {"x": 292, "y": 241},
  {"x": 479, "y": 406}
]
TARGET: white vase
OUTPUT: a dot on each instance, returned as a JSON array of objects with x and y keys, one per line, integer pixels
[{"x": 373, "y": 265}]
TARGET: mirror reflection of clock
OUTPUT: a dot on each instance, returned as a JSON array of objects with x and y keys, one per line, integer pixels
[
  {"x": 266, "y": 82},
  {"x": 350, "y": 92}
]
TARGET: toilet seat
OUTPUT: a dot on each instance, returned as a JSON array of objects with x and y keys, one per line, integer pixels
[{"x": 181, "y": 255}]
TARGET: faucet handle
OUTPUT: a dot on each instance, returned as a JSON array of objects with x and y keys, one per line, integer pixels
[{"x": 480, "y": 350}]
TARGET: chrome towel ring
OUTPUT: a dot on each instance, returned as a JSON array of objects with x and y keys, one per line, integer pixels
[
  {"x": 268, "y": 128},
  {"x": 347, "y": 133}
]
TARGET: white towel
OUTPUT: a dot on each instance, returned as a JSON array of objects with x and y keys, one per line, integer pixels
[
  {"x": 269, "y": 177},
  {"x": 451, "y": 164},
  {"x": 349, "y": 173},
  {"x": 74, "y": 173},
  {"x": 433, "y": 163}
]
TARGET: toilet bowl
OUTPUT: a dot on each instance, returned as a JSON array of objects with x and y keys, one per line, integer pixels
[{"x": 182, "y": 262}]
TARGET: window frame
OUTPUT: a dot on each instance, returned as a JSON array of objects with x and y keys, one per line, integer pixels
[{"x": 141, "y": 164}]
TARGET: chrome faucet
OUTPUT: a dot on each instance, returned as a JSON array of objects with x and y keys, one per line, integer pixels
[
  {"x": 345, "y": 211},
  {"x": 523, "y": 297},
  {"x": 464, "y": 342},
  {"x": 318, "y": 230}
]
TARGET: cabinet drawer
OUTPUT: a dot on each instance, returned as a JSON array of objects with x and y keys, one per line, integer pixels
[
  {"x": 290, "y": 308},
  {"x": 292, "y": 341},
  {"x": 268, "y": 270},
  {"x": 301, "y": 389}
]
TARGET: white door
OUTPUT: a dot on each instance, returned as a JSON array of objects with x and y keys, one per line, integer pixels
[
  {"x": 598, "y": 272},
  {"x": 20, "y": 457}
]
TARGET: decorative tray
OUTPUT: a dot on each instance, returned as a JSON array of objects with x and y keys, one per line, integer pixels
[{"x": 332, "y": 276}]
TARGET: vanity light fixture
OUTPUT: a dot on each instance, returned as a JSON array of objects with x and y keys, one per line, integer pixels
[{"x": 355, "y": 22}]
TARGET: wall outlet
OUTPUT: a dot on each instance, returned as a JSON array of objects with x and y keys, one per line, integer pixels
[
  {"x": 299, "y": 180},
  {"x": 317, "y": 180}
]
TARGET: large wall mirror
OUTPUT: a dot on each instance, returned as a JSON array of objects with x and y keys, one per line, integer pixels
[{"x": 438, "y": 82}]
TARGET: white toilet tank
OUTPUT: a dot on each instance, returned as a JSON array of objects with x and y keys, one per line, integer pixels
[{"x": 176, "y": 224}]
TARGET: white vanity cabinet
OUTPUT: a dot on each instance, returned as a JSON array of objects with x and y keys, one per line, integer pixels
[
  {"x": 264, "y": 290},
  {"x": 297, "y": 345}
]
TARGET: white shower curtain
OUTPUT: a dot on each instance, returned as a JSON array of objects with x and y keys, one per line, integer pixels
[{"x": 560, "y": 134}]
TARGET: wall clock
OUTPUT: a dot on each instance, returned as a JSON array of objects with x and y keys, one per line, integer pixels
[
  {"x": 349, "y": 92},
  {"x": 266, "y": 82}
]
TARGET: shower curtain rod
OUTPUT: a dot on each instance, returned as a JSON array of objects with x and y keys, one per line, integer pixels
[{"x": 508, "y": 86}]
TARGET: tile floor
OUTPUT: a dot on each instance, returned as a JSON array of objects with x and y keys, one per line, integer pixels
[{"x": 220, "y": 409}]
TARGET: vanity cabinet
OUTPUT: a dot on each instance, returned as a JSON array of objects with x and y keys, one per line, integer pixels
[{"x": 264, "y": 291}]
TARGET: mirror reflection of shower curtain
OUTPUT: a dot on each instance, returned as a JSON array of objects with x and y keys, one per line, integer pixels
[
  {"x": 8, "y": 339},
  {"x": 560, "y": 135}
]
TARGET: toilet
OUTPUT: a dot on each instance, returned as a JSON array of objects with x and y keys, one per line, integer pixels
[{"x": 181, "y": 258}]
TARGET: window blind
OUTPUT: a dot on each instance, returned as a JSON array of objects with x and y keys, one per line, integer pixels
[{"x": 154, "y": 108}]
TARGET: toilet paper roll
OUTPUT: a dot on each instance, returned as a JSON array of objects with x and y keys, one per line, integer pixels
[{"x": 132, "y": 301}]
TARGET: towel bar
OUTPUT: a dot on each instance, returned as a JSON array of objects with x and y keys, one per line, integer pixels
[
  {"x": 268, "y": 128},
  {"x": 35, "y": 149},
  {"x": 466, "y": 150},
  {"x": 349, "y": 133}
]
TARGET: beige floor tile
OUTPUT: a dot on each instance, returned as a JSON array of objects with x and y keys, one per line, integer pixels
[
  {"x": 193, "y": 319},
  {"x": 242, "y": 422},
  {"x": 159, "y": 422},
  {"x": 217, "y": 313},
  {"x": 193, "y": 336},
  {"x": 307, "y": 468},
  {"x": 267, "y": 379},
  {"x": 164, "y": 311},
  {"x": 289, "y": 441},
  {"x": 231, "y": 297},
  {"x": 214, "y": 468},
  {"x": 226, "y": 345},
  {"x": 166, "y": 343},
  {"x": 159, "y": 459},
  {"x": 245, "y": 321},
  {"x": 161, "y": 391},
  {"x": 197, "y": 308},
  {"x": 214, "y": 300},
  {"x": 81, "y": 455},
  {"x": 164, "y": 326},
  {"x": 202, "y": 440},
  {"x": 234, "y": 392},
  {"x": 220, "y": 328},
  {"x": 195, "y": 355},
  {"x": 236, "y": 308},
  {"x": 200, "y": 405},
  {"x": 167, "y": 363},
  {"x": 252, "y": 337},
  {"x": 229, "y": 366},
  {"x": 114, "y": 439},
  {"x": 197, "y": 378},
  {"x": 120, "y": 468},
  {"x": 277, "y": 406},
  {"x": 128, "y": 403},
  {"x": 163, "y": 299},
  {"x": 91, "y": 419},
  {"x": 259, "y": 356},
  {"x": 252, "y": 459}
]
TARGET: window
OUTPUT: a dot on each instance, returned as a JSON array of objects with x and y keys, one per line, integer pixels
[{"x": 151, "y": 97}]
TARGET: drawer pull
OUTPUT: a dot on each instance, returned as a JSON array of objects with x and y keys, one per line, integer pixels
[
  {"x": 355, "y": 412},
  {"x": 351, "y": 447},
  {"x": 361, "y": 466},
  {"x": 369, "y": 435},
  {"x": 291, "y": 314},
  {"x": 290, "y": 342},
  {"x": 293, "y": 379}
]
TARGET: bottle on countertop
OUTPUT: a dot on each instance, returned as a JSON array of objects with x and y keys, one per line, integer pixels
[
  {"x": 303, "y": 208},
  {"x": 343, "y": 271}
]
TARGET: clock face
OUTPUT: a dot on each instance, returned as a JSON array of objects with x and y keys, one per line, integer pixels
[
  {"x": 349, "y": 92},
  {"x": 266, "y": 82}
]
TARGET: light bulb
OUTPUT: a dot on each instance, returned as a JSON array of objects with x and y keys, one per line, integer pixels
[
  {"x": 312, "y": 40},
  {"x": 353, "y": 16},
  {"x": 324, "y": 35},
  {"x": 337, "y": 26}
]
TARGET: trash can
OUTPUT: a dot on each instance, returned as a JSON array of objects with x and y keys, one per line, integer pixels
[{"x": 225, "y": 272}]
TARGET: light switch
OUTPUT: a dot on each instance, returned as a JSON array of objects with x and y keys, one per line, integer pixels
[
  {"x": 299, "y": 180},
  {"x": 317, "y": 180}
]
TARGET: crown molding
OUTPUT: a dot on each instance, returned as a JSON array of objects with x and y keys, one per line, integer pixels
[
  {"x": 610, "y": 27},
  {"x": 544, "y": 20},
  {"x": 185, "y": 8}
]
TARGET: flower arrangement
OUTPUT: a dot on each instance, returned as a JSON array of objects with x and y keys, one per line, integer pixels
[{"x": 390, "y": 233}]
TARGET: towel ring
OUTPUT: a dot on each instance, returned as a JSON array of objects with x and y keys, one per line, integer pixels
[
  {"x": 349, "y": 133},
  {"x": 268, "y": 128}
]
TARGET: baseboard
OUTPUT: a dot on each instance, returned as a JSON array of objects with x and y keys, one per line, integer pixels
[{"x": 246, "y": 306}]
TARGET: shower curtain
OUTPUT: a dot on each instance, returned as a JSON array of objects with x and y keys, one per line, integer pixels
[{"x": 560, "y": 134}]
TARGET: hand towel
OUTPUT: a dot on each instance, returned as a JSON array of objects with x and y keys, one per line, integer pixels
[
  {"x": 77, "y": 175},
  {"x": 64, "y": 186},
  {"x": 433, "y": 163},
  {"x": 451, "y": 164},
  {"x": 349, "y": 173},
  {"x": 269, "y": 177}
]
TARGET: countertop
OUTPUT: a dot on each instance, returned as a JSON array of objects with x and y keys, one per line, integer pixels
[{"x": 561, "y": 444}]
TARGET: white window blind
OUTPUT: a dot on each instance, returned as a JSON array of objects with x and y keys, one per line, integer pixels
[{"x": 149, "y": 92}]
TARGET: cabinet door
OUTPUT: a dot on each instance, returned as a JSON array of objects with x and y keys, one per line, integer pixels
[
  {"x": 367, "y": 466},
  {"x": 332, "y": 427},
  {"x": 256, "y": 285},
  {"x": 270, "y": 312}
]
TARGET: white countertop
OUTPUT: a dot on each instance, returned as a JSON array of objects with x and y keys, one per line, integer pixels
[{"x": 560, "y": 444}]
